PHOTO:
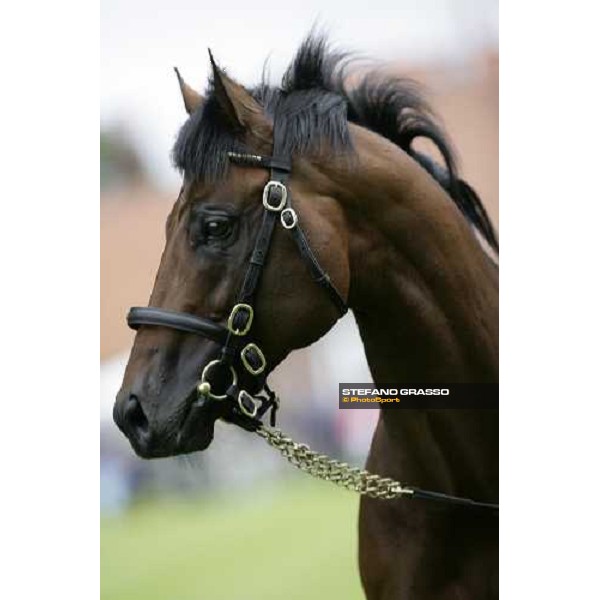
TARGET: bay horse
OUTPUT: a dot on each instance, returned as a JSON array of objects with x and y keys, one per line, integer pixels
[{"x": 385, "y": 231}]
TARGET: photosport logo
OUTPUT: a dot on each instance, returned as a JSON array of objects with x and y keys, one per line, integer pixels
[{"x": 414, "y": 395}]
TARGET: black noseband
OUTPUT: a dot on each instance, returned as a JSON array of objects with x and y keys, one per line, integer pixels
[{"x": 172, "y": 319}]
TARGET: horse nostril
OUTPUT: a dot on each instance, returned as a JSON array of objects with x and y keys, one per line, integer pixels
[{"x": 135, "y": 416}]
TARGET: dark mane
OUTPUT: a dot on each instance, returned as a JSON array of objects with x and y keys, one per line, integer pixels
[{"x": 314, "y": 105}]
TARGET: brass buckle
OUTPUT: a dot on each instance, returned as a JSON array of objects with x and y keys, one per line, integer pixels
[
  {"x": 265, "y": 198},
  {"x": 204, "y": 387},
  {"x": 248, "y": 366},
  {"x": 292, "y": 213},
  {"x": 234, "y": 312},
  {"x": 249, "y": 413}
]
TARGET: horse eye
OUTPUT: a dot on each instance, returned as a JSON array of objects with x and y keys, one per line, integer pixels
[{"x": 217, "y": 228}]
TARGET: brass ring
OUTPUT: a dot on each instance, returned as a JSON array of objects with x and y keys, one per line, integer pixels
[{"x": 203, "y": 380}]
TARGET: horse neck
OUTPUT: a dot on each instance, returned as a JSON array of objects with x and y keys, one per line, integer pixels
[{"x": 424, "y": 294}]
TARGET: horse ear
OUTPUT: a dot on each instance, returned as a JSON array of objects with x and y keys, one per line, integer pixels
[
  {"x": 191, "y": 98},
  {"x": 243, "y": 112}
]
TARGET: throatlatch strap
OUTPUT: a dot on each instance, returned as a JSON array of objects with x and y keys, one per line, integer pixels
[{"x": 317, "y": 272}]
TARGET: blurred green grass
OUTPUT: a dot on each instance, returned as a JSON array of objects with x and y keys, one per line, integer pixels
[{"x": 296, "y": 540}]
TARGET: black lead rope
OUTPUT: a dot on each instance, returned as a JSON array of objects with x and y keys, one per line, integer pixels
[{"x": 419, "y": 494}]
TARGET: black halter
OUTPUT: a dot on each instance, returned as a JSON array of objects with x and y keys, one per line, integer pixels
[{"x": 243, "y": 408}]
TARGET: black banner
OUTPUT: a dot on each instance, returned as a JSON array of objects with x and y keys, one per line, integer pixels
[{"x": 417, "y": 395}]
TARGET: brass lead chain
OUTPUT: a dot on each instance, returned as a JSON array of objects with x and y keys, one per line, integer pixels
[{"x": 329, "y": 469}]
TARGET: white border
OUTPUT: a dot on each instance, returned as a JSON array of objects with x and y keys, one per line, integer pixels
[
  {"x": 549, "y": 300},
  {"x": 49, "y": 435}
]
